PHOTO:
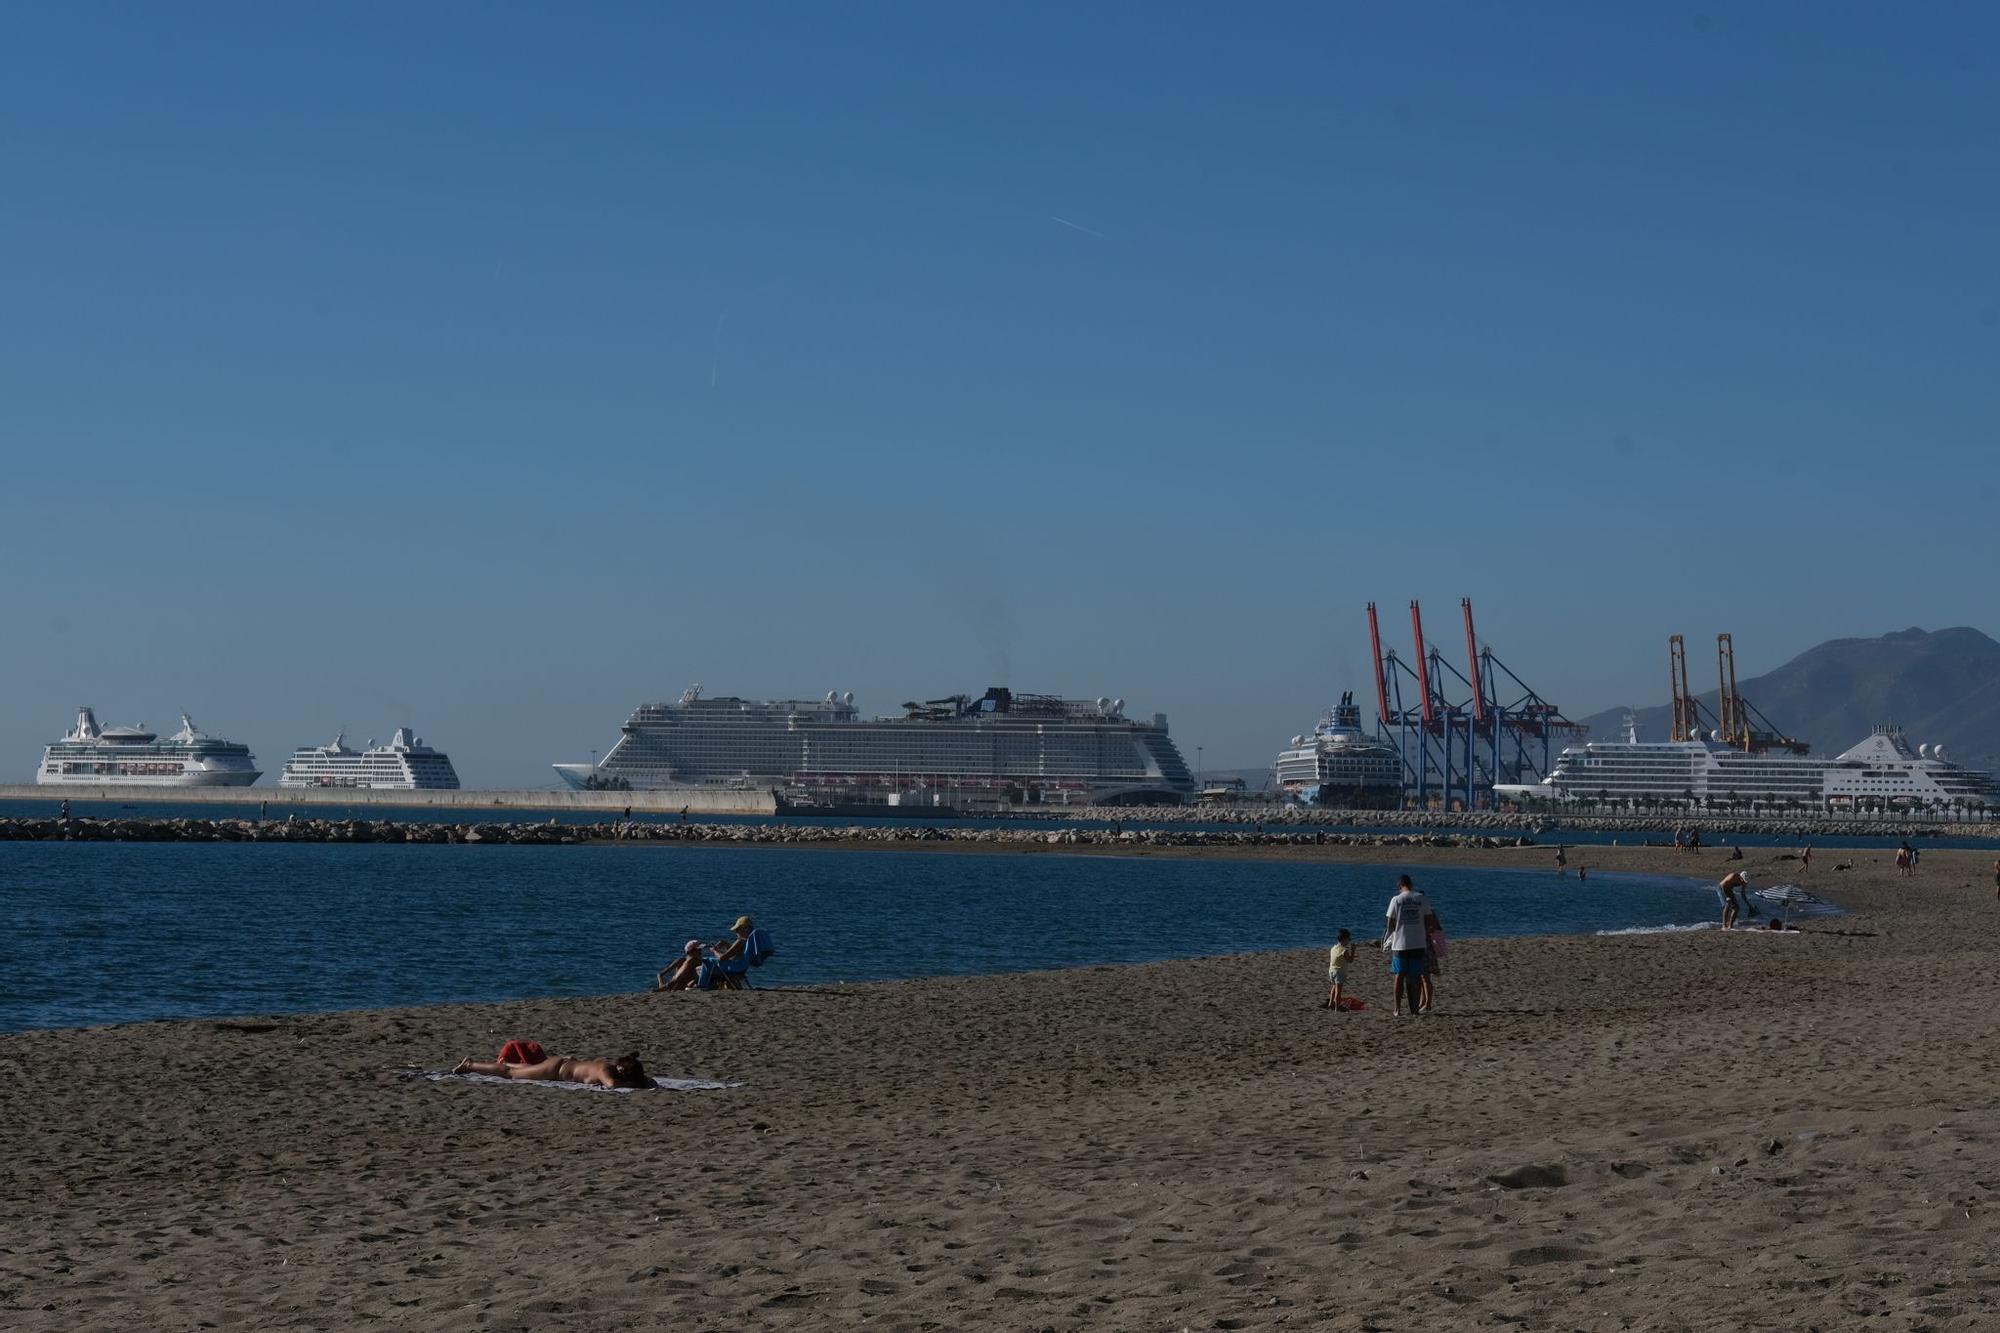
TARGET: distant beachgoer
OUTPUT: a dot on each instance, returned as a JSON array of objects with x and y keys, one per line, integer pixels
[
  {"x": 263, "y": 809},
  {"x": 1915, "y": 854},
  {"x": 1904, "y": 860},
  {"x": 1694, "y": 841},
  {"x": 1582, "y": 874},
  {"x": 1778, "y": 923},
  {"x": 623, "y": 1072},
  {"x": 628, "y": 813},
  {"x": 1732, "y": 882},
  {"x": 1341, "y": 955},
  {"x": 683, "y": 972},
  {"x": 1736, "y": 853},
  {"x": 1562, "y": 860},
  {"x": 1435, "y": 946},
  {"x": 62, "y": 811},
  {"x": 1805, "y": 860},
  {"x": 1403, "y": 935}
]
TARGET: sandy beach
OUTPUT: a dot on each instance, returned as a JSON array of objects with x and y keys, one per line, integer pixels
[{"x": 1671, "y": 1131}]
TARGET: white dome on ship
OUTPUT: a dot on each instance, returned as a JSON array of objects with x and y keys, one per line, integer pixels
[
  {"x": 1937, "y": 751},
  {"x": 1923, "y": 751},
  {"x": 848, "y": 698},
  {"x": 833, "y": 696},
  {"x": 1715, "y": 736},
  {"x": 1103, "y": 702},
  {"x": 1117, "y": 705}
]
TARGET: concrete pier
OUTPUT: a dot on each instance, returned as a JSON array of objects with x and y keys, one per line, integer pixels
[{"x": 695, "y": 800}]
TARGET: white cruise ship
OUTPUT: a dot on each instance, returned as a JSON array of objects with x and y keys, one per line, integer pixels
[
  {"x": 1883, "y": 772},
  {"x": 404, "y": 764},
  {"x": 1002, "y": 748},
  {"x": 132, "y": 756},
  {"x": 1340, "y": 764}
]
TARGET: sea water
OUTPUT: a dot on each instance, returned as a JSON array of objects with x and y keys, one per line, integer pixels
[{"x": 115, "y": 932}]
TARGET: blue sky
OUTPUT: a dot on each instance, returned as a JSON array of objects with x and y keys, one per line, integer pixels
[{"x": 493, "y": 368}]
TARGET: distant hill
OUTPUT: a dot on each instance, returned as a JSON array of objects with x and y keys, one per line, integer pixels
[{"x": 1942, "y": 686}]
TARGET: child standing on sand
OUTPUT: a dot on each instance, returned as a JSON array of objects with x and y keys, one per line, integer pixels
[{"x": 1337, "y": 959}]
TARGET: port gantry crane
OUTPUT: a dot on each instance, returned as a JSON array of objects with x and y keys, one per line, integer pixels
[
  {"x": 1731, "y": 723},
  {"x": 1458, "y": 733},
  {"x": 1738, "y": 712}
]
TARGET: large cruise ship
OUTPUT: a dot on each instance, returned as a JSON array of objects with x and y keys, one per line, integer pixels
[
  {"x": 404, "y": 764},
  {"x": 1884, "y": 772},
  {"x": 132, "y": 756},
  {"x": 1001, "y": 748},
  {"x": 1340, "y": 764}
]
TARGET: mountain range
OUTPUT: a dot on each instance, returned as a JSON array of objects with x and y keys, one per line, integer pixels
[{"x": 1938, "y": 686}]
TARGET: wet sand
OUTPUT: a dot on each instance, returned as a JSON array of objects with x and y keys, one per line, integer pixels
[{"x": 1686, "y": 1131}]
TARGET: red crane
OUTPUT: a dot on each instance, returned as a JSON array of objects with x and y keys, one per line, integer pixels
[
  {"x": 1381, "y": 682},
  {"x": 1472, "y": 665},
  {"x": 1423, "y": 667}
]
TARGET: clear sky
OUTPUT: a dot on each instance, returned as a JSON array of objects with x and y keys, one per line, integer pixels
[{"x": 493, "y": 368}]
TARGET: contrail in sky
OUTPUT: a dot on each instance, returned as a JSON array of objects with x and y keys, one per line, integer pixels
[{"x": 1073, "y": 226}]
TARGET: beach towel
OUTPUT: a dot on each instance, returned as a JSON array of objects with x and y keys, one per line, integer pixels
[{"x": 664, "y": 1084}]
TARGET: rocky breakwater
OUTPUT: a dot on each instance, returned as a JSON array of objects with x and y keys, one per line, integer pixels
[
  {"x": 902, "y": 834},
  {"x": 1268, "y": 816},
  {"x": 287, "y": 830},
  {"x": 554, "y": 834}
]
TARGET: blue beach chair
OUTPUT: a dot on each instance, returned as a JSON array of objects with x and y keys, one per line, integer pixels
[{"x": 733, "y": 973}]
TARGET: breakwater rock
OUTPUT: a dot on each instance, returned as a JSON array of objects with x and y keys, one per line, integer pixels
[
  {"x": 1545, "y": 825},
  {"x": 554, "y": 834}
]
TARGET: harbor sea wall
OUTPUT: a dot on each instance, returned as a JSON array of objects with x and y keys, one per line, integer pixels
[{"x": 695, "y": 800}]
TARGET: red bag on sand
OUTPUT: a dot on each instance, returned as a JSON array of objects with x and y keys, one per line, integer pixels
[{"x": 522, "y": 1052}]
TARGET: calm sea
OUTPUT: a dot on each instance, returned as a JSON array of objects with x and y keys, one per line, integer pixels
[{"x": 116, "y": 932}]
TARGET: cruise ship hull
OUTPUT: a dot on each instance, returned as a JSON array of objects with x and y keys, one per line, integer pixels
[{"x": 198, "y": 778}]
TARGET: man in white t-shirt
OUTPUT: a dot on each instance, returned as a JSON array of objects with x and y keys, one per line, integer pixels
[{"x": 1404, "y": 934}]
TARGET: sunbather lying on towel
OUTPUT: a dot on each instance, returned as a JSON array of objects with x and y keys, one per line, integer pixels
[{"x": 623, "y": 1072}]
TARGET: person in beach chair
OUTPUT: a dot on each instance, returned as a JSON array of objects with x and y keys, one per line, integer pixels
[
  {"x": 684, "y": 972},
  {"x": 733, "y": 958},
  {"x": 623, "y": 1072}
]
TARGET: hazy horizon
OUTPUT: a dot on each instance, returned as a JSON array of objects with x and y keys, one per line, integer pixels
[{"x": 491, "y": 370}]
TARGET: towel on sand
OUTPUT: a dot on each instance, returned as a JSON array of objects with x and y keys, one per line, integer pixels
[{"x": 666, "y": 1084}]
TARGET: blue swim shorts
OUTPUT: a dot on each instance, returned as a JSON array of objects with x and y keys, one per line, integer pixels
[{"x": 1408, "y": 962}]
